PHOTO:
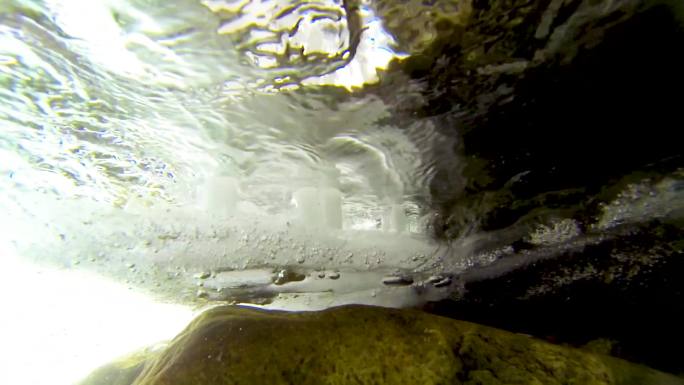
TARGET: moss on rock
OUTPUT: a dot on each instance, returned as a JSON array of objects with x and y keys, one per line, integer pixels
[
  {"x": 124, "y": 370},
  {"x": 370, "y": 345}
]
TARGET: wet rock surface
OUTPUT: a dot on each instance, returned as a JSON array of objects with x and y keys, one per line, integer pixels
[
  {"x": 370, "y": 345},
  {"x": 562, "y": 120},
  {"x": 625, "y": 289},
  {"x": 122, "y": 371},
  {"x": 554, "y": 107}
]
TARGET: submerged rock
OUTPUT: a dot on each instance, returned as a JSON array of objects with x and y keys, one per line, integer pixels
[
  {"x": 370, "y": 345},
  {"x": 558, "y": 173},
  {"x": 624, "y": 286},
  {"x": 122, "y": 371},
  {"x": 553, "y": 108}
]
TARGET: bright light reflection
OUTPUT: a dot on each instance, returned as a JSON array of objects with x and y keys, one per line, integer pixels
[
  {"x": 93, "y": 23},
  {"x": 374, "y": 53},
  {"x": 59, "y": 325}
]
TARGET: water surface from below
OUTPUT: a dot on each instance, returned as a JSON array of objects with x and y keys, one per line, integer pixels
[{"x": 133, "y": 135}]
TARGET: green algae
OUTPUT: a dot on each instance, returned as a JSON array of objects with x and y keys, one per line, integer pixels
[
  {"x": 369, "y": 345},
  {"x": 122, "y": 371}
]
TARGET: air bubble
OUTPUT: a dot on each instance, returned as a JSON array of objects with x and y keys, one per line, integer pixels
[
  {"x": 397, "y": 280},
  {"x": 439, "y": 281},
  {"x": 202, "y": 275}
]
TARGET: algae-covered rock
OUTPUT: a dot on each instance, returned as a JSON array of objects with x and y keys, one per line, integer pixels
[
  {"x": 122, "y": 371},
  {"x": 369, "y": 345},
  {"x": 417, "y": 24}
]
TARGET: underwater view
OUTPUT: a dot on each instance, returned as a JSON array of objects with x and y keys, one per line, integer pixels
[{"x": 215, "y": 192}]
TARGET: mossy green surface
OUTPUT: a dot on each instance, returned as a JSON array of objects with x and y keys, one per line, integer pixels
[
  {"x": 369, "y": 345},
  {"x": 122, "y": 371}
]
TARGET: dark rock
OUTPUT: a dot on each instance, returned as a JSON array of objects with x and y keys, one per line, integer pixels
[
  {"x": 560, "y": 112},
  {"x": 624, "y": 287},
  {"x": 552, "y": 106},
  {"x": 122, "y": 371}
]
